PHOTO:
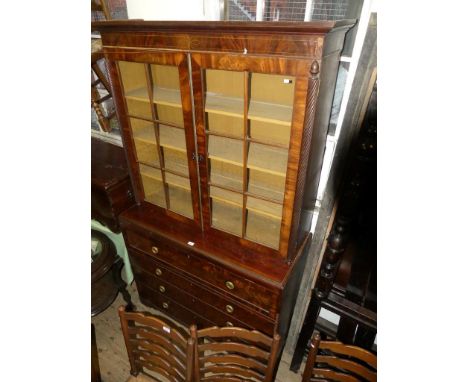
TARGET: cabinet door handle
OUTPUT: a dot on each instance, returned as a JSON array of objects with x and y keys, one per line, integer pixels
[
  {"x": 229, "y": 308},
  {"x": 162, "y": 289},
  {"x": 229, "y": 323},
  {"x": 165, "y": 305},
  {"x": 229, "y": 285},
  {"x": 155, "y": 250},
  {"x": 158, "y": 271}
]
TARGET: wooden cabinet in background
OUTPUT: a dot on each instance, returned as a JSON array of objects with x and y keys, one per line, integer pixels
[{"x": 224, "y": 125}]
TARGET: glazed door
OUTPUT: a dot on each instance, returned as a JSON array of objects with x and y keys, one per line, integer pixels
[
  {"x": 249, "y": 113},
  {"x": 155, "y": 111}
]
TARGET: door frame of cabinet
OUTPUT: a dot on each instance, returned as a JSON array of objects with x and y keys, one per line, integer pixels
[
  {"x": 298, "y": 68},
  {"x": 179, "y": 59}
]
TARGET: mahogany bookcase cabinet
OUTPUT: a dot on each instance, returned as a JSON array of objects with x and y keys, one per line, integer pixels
[{"x": 224, "y": 127}]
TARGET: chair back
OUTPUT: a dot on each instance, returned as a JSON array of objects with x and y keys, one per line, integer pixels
[
  {"x": 154, "y": 345},
  {"x": 335, "y": 361},
  {"x": 233, "y": 354}
]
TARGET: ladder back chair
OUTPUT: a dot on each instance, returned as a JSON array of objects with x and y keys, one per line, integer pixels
[
  {"x": 98, "y": 77},
  {"x": 335, "y": 361},
  {"x": 155, "y": 346},
  {"x": 231, "y": 354}
]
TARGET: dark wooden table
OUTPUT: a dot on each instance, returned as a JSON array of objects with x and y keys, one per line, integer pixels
[{"x": 111, "y": 189}]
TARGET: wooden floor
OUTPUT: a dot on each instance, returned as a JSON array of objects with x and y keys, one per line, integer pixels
[{"x": 113, "y": 360}]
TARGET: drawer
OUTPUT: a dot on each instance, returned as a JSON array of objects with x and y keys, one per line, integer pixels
[
  {"x": 173, "y": 285},
  {"x": 175, "y": 298},
  {"x": 159, "y": 250},
  {"x": 170, "y": 307},
  {"x": 230, "y": 283}
]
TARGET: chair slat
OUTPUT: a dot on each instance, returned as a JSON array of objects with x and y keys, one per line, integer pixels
[
  {"x": 348, "y": 365},
  {"x": 250, "y": 335},
  {"x": 160, "y": 371},
  {"x": 223, "y": 370},
  {"x": 162, "y": 363},
  {"x": 353, "y": 351},
  {"x": 155, "y": 344},
  {"x": 222, "y": 379},
  {"x": 335, "y": 376},
  {"x": 173, "y": 362},
  {"x": 234, "y": 347},
  {"x": 154, "y": 323},
  {"x": 234, "y": 359},
  {"x": 147, "y": 335}
]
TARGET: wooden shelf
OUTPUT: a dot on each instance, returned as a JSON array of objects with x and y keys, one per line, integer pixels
[
  {"x": 177, "y": 181},
  {"x": 266, "y": 185},
  {"x": 270, "y": 112},
  {"x": 268, "y": 159},
  {"x": 145, "y": 134},
  {"x": 172, "y": 137},
  {"x": 226, "y": 150},
  {"x": 162, "y": 96},
  {"x": 180, "y": 201},
  {"x": 229, "y": 197},
  {"x": 263, "y": 230},
  {"x": 226, "y": 217},
  {"x": 269, "y": 209},
  {"x": 225, "y": 125},
  {"x": 233, "y": 107},
  {"x": 150, "y": 172}
]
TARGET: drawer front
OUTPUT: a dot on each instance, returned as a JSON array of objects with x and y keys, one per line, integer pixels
[
  {"x": 204, "y": 302},
  {"x": 170, "y": 307},
  {"x": 228, "y": 282}
]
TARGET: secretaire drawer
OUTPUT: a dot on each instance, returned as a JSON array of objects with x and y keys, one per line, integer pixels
[
  {"x": 158, "y": 249},
  {"x": 228, "y": 282}
]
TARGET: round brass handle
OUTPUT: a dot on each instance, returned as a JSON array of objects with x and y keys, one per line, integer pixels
[
  {"x": 165, "y": 305},
  {"x": 229, "y": 285},
  {"x": 229, "y": 308},
  {"x": 158, "y": 271},
  {"x": 162, "y": 289},
  {"x": 229, "y": 323},
  {"x": 155, "y": 250}
]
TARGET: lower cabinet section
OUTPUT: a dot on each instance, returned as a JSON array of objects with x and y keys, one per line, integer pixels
[{"x": 189, "y": 301}]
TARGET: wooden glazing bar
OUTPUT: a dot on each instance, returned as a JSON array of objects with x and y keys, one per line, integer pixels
[
  {"x": 245, "y": 151},
  {"x": 263, "y": 198},
  {"x": 278, "y": 145},
  {"x": 223, "y": 135},
  {"x": 156, "y": 120},
  {"x": 154, "y": 112}
]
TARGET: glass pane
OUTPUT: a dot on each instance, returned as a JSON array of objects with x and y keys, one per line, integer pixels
[
  {"x": 151, "y": 179},
  {"x": 224, "y": 116},
  {"x": 248, "y": 141},
  {"x": 153, "y": 100},
  {"x": 166, "y": 94}
]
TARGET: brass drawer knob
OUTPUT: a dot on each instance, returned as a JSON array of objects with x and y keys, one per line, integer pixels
[
  {"x": 229, "y": 285},
  {"x": 158, "y": 271},
  {"x": 229, "y": 323},
  {"x": 162, "y": 289},
  {"x": 155, "y": 250},
  {"x": 165, "y": 305},
  {"x": 229, "y": 308}
]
